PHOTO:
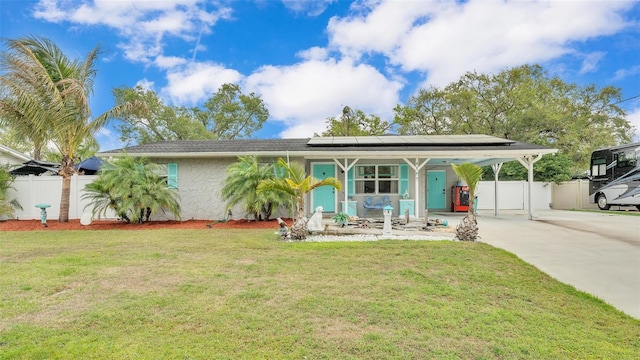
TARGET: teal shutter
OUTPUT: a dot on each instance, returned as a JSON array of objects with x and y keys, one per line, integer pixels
[
  {"x": 172, "y": 175},
  {"x": 351, "y": 181},
  {"x": 279, "y": 172},
  {"x": 404, "y": 179}
]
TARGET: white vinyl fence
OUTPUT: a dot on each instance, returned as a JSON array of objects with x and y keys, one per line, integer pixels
[
  {"x": 31, "y": 190},
  {"x": 513, "y": 195}
]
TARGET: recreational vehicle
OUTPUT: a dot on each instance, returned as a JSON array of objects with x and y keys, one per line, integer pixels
[{"x": 615, "y": 176}]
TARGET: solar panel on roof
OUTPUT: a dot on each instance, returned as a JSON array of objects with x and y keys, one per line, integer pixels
[{"x": 407, "y": 140}]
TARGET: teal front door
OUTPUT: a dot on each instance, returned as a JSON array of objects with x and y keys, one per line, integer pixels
[
  {"x": 324, "y": 196},
  {"x": 436, "y": 194}
]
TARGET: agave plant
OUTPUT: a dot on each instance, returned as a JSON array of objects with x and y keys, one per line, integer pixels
[{"x": 471, "y": 174}]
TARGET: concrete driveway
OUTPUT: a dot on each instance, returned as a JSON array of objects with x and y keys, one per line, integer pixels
[{"x": 598, "y": 253}]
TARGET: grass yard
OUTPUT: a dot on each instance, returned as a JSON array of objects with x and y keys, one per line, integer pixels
[{"x": 241, "y": 294}]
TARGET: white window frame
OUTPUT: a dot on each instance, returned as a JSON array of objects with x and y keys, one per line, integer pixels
[{"x": 360, "y": 178}]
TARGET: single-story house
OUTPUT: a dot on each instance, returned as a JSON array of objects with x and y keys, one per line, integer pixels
[
  {"x": 22, "y": 164},
  {"x": 9, "y": 156},
  {"x": 413, "y": 172}
]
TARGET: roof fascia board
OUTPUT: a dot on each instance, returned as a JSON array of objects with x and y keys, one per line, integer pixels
[
  {"x": 444, "y": 154},
  {"x": 14, "y": 153}
]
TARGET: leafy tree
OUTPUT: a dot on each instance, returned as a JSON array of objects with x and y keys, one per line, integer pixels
[
  {"x": 297, "y": 185},
  {"x": 241, "y": 187},
  {"x": 133, "y": 188},
  {"x": 355, "y": 123},
  {"x": 523, "y": 104},
  {"x": 228, "y": 114},
  {"x": 7, "y": 207},
  {"x": 161, "y": 123},
  {"x": 424, "y": 114},
  {"x": 471, "y": 174},
  {"x": 45, "y": 92},
  {"x": 552, "y": 168}
]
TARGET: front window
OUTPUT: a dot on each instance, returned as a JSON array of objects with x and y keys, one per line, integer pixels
[
  {"x": 598, "y": 167},
  {"x": 376, "y": 179}
]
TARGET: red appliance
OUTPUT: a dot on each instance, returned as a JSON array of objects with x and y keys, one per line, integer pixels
[{"x": 460, "y": 198}]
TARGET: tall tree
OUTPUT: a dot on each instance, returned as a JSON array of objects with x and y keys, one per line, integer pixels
[
  {"x": 162, "y": 122},
  {"x": 355, "y": 123},
  {"x": 297, "y": 185},
  {"x": 228, "y": 114},
  {"x": 51, "y": 93},
  {"x": 524, "y": 104},
  {"x": 424, "y": 114}
]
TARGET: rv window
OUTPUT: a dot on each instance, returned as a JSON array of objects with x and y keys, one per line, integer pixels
[
  {"x": 599, "y": 167},
  {"x": 626, "y": 159}
]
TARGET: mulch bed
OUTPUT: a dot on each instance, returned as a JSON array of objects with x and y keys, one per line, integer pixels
[{"x": 29, "y": 225}]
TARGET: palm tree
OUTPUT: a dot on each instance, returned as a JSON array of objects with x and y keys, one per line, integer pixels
[
  {"x": 133, "y": 188},
  {"x": 241, "y": 185},
  {"x": 471, "y": 174},
  {"x": 297, "y": 184},
  {"x": 42, "y": 91}
]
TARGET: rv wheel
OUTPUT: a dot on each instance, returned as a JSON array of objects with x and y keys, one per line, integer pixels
[{"x": 602, "y": 202}]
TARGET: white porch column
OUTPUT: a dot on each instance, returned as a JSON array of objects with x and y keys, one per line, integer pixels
[
  {"x": 528, "y": 161},
  {"x": 346, "y": 167},
  {"x": 416, "y": 168},
  {"x": 496, "y": 170}
]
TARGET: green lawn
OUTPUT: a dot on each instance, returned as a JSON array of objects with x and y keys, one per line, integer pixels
[{"x": 241, "y": 294}]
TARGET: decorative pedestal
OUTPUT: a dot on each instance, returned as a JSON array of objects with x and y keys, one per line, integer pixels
[
  {"x": 351, "y": 209},
  {"x": 405, "y": 205},
  {"x": 386, "y": 228}
]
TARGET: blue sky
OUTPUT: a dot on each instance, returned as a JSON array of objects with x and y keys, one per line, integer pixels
[{"x": 308, "y": 59}]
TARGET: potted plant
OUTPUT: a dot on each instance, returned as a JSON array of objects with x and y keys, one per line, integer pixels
[{"x": 341, "y": 219}]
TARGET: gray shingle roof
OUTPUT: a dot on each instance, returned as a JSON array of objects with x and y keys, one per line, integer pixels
[{"x": 292, "y": 146}]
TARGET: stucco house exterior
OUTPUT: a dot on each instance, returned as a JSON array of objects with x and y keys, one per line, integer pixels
[{"x": 413, "y": 172}]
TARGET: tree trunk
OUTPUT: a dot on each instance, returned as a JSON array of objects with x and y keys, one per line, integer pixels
[
  {"x": 66, "y": 171},
  {"x": 64, "y": 199},
  {"x": 467, "y": 230},
  {"x": 299, "y": 229}
]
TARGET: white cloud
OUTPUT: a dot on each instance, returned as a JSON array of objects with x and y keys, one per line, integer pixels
[
  {"x": 634, "y": 119},
  {"x": 624, "y": 73},
  {"x": 590, "y": 62},
  {"x": 142, "y": 24},
  {"x": 109, "y": 140},
  {"x": 196, "y": 82},
  {"x": 309, "y": 7},
  {"x": 447, "y": 39},
  {"x": 167, "y": 62},
  {"x": 146, "y": 84},
  {"x": 314, "y": 53},
  {"x": 303, "y": 95}
]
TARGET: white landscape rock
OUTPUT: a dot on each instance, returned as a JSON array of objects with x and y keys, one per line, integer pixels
[{"x": 373, "y": 237}]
